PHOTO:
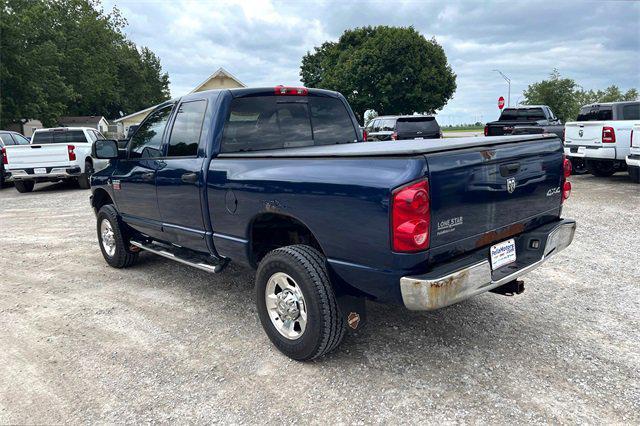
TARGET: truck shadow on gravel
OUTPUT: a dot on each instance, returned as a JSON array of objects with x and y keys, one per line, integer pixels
[
  {"x": 58, "y": 187},
  {"x": 487, "y": 328}
]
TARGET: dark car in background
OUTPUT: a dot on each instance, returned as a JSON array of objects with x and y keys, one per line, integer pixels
[
  {"x": 524, "y": 115},
  {"x": 8, "y": 138},
  {"x": 400, "y": 127}
]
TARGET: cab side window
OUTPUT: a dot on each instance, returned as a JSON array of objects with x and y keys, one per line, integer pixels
[
  {"x": 20, "y": 140},
  {"x": 147, "y": 141},
  {"x": 185, "y": 134},
  {"x": 6, "y": 139},
  {"x": 388, "y": 125}
]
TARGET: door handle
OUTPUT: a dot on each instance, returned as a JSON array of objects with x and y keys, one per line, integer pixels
[
  {"x": 148, "y": 176},
  {"x": 189, "y": 177}
]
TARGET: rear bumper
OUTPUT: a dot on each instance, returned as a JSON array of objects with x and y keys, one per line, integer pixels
[
  {"x": 53, "y": 173},
  {"x": 601, "y": 153},
  {"x": 472, "y": 275},
  {"x": 633, "y": 160}
]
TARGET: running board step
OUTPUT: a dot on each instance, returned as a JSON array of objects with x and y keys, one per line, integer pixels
[{"x": 182, "y": 255}]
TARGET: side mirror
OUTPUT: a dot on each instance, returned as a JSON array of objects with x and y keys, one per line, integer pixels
[{"x": 106, "y": 149}]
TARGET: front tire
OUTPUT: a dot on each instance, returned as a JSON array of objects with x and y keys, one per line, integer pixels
[
  {"x": 114, "y": 243},
  {"x": 296, "y": 303},
  {"x": 84, "y": 180},
  {"x": 23, "y": 186}
]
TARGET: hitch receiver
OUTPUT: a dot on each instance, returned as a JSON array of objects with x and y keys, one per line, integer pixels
[{"x": 510, "y": 289}]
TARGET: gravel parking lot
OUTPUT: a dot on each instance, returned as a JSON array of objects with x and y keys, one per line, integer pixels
[{"x": 162, "y": 342}]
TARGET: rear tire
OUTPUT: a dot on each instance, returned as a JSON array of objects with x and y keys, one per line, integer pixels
[
  {"x": 601, "y": 168},
  {"x": 114, "y": 243},
  {"x": 300, "y": 270},
  {"x": 23, "y": 186},
  {"x": 84, "y": 180},
  {"x": 578, "y": 166},
  {"x": 634, "y": 174}
]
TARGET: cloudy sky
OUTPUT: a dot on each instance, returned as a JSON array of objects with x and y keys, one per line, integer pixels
[{"x": 262, "y": 42}]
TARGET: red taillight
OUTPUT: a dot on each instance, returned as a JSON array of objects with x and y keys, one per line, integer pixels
[
  {"x": 608, "y": 135},
  {"x": 291, "y": 91},
  {"x": 5, "y": 160},
  {"x": 486, "y": 130},
  {"x": 566, "y": 185},
  {"x": 72, "y": 154},
  {"x": 365, "y": 136},
  {"x": 411, "y": 217},
  {"x": 394, "y": 136},
  {"x": 566, "y": 166},
  {"x": 566, "y": 190}
]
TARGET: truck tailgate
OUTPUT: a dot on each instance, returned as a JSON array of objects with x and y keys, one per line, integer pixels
[
  {"x": 584, "y": 133},
  {"x": 29, "y": 156},
  {"x": 486, "y": 194}
]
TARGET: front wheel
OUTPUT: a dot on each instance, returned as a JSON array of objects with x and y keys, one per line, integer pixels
[
  {"x": 114, "y": 244},
  {"x": 23, "y": 186},
  {"x": 296, "y": 303}
]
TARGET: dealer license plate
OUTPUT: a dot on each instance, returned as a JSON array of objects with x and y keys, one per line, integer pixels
[
  {"x": 40, "y": 171},
  {"x": 503, "y": 253}
]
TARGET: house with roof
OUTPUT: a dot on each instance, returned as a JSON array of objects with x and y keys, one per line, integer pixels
[
  {"x": 220, "y": 79},
  {"x": 97, "y": 122}
]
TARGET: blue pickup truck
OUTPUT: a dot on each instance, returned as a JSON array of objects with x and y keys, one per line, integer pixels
[{"x": 280, "y": 179}]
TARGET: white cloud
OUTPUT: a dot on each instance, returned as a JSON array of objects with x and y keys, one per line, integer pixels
[{"x": 263, "y": 41}]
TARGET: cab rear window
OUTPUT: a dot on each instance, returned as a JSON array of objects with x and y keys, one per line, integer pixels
[
  {"x": 64, "y": 136},
  {"x": 272, "y": 122},
  {"x": 422, "y": 124},
  {"x": 522, "y": 114},
  {"x": 595, "y": 113}
]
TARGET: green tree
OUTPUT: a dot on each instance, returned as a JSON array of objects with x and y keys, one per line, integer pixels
[
  {"x": 565, "y": 97},
  {"x": 69, "y": 57},
  {"x": 556, "y": 92},
  {"x": 391, "y": 70}
]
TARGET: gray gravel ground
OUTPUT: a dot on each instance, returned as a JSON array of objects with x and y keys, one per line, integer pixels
[{"x": 162, "y": 342}]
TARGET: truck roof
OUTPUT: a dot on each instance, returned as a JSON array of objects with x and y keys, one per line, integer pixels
[
  {"x": 527, "y": 106},
  {"x": 595, "y": 104},
  {"x": 404, "y": 116},
  {"x": 63, "y": 129}
]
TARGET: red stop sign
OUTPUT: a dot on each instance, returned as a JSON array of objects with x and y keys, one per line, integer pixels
[{"x": 501, "y": 102}]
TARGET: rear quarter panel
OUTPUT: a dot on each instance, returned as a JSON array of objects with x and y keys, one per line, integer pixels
[{"x": 344, "y": 202}]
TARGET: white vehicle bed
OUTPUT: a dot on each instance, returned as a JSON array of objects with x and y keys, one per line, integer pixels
[
  {"x": 633, "y": 159},
  {"x": 602, "y": 136},
  {"x": 56, "y": 154}
]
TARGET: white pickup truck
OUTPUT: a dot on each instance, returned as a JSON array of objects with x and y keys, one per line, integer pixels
[
  {"x": 601, "y": 135},
  {"x": 633, "y": 159},
  {"x": 56, "y": 154}
]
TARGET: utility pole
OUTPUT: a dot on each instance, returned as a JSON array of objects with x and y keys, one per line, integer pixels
[{"x": 509, "y": 82}]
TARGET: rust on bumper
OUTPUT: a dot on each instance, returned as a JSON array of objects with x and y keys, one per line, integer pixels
[{"x": 419, "y": 293}]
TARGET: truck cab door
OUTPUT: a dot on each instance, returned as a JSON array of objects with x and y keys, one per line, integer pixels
[
  {"x": 179, "y": 183},
  {"x": 134, "y": 179}
]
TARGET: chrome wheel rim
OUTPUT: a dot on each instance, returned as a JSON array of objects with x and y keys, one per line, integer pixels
[
  {"x": 108, "y": 237},
  {"x": 286, "y": 306}
]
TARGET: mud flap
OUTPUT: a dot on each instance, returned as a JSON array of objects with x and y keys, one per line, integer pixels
[{"x": 354, "y": 311}]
